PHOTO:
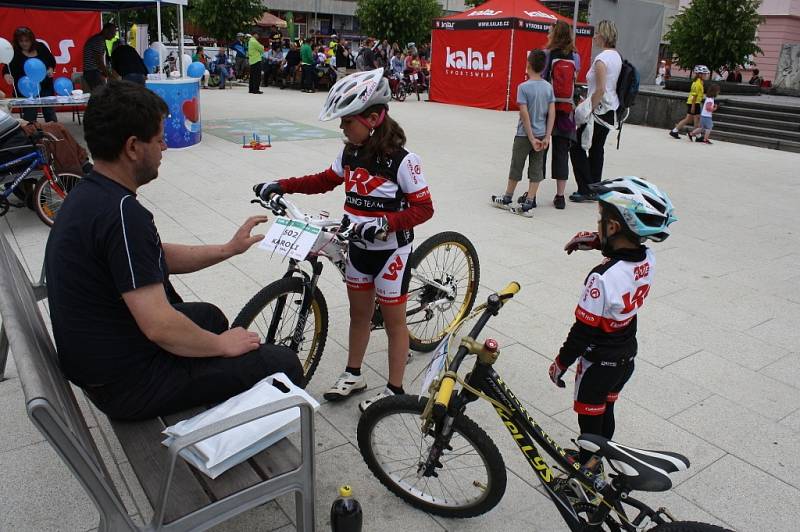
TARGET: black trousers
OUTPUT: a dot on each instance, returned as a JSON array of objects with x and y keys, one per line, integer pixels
[
  {"x": 309, "y": 73},
  {"x": 255, "y": 77},
  {"x": 589, "y": 169},
  {"x": 174, "y": 383}
]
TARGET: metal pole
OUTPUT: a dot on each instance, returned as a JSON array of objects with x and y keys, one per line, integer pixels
[
  {"x": 158, "y": 36},
  {"x": 575, "y": 19},
  {"x": 180, "y": 35},
  {"x": 316, "y": 22}
]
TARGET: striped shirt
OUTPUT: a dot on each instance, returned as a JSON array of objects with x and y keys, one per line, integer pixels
[{"x": 96, "y": 45}]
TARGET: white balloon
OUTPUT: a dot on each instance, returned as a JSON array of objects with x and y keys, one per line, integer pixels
[
  {"x": 158, "y": 46},
  {"x": 187, "y": 60},
  {"x": 6, "y": 51}
]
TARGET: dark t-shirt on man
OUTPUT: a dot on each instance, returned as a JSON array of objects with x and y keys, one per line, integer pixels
[
  {"x": 104, "y": 244},
  {"x": 126, "y": 60}
]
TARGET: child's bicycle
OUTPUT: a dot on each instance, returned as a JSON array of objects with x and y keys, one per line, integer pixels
[
  {"x": 430, "y": 454},
  {"x": 49, "y": 191},
  {"x": 443, "y": 282}
]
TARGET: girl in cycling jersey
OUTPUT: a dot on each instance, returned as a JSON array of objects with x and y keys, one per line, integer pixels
[{"x": 385, "y": 196}]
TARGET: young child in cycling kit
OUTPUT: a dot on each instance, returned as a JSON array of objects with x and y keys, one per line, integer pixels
[
  {"x": 386, "y": 194},
  {"x": 603, "y": 337}
]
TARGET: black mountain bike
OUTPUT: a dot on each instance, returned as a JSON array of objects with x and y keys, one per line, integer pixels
[
  {"x": 443, "y": 283},
  {"x": 430, "y": 454}
]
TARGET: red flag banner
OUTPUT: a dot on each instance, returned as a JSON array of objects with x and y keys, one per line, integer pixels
[{"x": 63, "y": 32}]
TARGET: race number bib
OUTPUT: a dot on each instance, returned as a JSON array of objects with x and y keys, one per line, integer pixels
[{"x": 290, "y": 238}]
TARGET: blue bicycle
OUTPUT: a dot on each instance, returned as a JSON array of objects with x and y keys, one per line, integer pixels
[{"x": 49, "y": 191}]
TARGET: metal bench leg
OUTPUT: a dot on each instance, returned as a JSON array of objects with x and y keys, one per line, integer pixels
[
  {"x": 3, "y": 352},
  {"x": 305, "y": 497}
]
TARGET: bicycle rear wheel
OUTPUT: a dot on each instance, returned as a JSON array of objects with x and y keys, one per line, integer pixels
[
  {"x": 471, "y": 479},
  {"x": 48, "y": 196},
  {"x": 450, "y": 260},
  {"x": 285, "y": 297}
]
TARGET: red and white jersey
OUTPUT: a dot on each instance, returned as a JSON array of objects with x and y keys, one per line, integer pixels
[
  {"x": 614, "y": 291},
  {"x": 379, "y": 188}
]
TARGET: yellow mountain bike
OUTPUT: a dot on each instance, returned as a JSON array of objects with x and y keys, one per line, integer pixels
[{"x": 429, "y": 453}]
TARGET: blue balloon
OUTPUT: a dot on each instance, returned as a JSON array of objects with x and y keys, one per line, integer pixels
[
  {"x": 196, "y": 70},
  {"x": 63, "y": 86},
  {"x": 35, "y": 69},
  {"x": 150, "y": 59},
  {"x": 28, "y": 87}
]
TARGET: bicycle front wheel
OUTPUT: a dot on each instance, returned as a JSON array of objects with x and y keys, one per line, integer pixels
[
  {"x": 450, "y": 260},
  {"x": 274, "y": 313},
  {"x": 49, "y": 195},
  {"x": 471, "y": 479}
]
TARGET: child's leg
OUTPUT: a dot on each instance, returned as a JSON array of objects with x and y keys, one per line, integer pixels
[
  {"x": 535, "y": 172},
  {"x": 519, "y": 152},
  {"x": 609, "y": 423}
]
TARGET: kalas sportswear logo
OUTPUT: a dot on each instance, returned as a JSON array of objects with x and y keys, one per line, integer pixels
[
  {"x": 540, "y": 14},
  {"x": 485, "y": 13},
  {"x": 469, "y": 60}
]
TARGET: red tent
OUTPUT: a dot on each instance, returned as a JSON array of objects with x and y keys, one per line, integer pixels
[{"x": 478, "y": 57}]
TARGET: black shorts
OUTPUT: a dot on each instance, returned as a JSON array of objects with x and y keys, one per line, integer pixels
[
  {"x": 697, "y": 108},
  {"x": 598, "y": 383}
]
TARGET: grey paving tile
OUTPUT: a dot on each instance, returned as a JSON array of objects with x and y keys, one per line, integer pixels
[
  {"x": 786, "y": 370},
  {"x": 660, "y": 391},
  {"x": 745, "y": 497},
  {"x": 382, "y": 510},
  {"x": 268, "y": 516},
  {"x": 792, "y": 421},
  {"x": 39, "y": 493},
  {"x": 767, "y": 445},
  {"x": 770, "y": 398},
  {"x": 779, "y": 331}
]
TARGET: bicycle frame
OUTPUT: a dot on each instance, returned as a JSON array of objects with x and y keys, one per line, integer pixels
[
  {"x": 527, "y": 434},
  {"x": 37, "y": 160}
]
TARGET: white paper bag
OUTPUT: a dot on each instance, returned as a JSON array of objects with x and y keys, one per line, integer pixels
[{"x": 219, "y": 453}]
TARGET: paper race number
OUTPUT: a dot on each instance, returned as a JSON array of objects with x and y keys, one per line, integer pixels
[{"x": 290, "y": 238}]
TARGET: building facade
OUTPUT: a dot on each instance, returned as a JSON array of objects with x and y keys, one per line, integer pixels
[{"x": 332, "y": 16}]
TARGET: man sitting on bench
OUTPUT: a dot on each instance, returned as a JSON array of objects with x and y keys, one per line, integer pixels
[{"x": 121, "y": 332}]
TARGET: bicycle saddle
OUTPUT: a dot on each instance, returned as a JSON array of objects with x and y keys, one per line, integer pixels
[{"x": 643, "y": 470}]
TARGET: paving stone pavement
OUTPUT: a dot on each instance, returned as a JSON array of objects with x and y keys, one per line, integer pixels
[{"x": 716, "y": 377}]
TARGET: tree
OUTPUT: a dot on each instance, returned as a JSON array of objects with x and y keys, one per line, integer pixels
[
  {"x": 715, "y": 33},
  {"x": 222, "y": 20},
  {"x": 474, "y": 3},
  {"x": 169, "y": 21},
  {"x": 400, "y": 21}
]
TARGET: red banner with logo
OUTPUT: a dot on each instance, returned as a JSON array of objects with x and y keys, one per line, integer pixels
[
  {"x": 63, "y": 32},
  {"x": 470, "y": 67}
]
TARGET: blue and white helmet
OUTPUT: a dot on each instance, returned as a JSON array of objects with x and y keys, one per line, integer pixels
[
  {"x": 701, "y": 69},
  {"x": 354, "y": 93},
  {"x": 647, "y": 210}
]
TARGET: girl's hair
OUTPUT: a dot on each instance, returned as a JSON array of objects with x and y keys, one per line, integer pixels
[
  {"x": 385, "y": 139},
  {"x": 607, "y": 31},
  {"x": 23, "y": 31},
  {"x": 712, "y": 90},
  {"x": 560, "y": 38}
]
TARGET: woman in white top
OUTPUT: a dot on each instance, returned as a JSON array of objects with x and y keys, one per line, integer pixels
[{"x": 602, "y": 92}]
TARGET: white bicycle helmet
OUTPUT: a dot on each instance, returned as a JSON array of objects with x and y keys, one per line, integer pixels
[
  {"x": 356, "y": 92},
  {"x": 647, "y": 210},
  {"x": 701, "y": 69}
]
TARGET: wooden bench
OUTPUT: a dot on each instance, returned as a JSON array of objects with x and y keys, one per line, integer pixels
[{"x": 181, "y": 497}]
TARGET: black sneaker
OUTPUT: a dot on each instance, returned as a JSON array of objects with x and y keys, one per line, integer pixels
[
  {"x": 577, "y": 197},
  {"x": 522, "y": 199},
  {"x": 674, "y": 134},
  {"x": 501, "y": 201},
  {"x": 559, "y": 203}
]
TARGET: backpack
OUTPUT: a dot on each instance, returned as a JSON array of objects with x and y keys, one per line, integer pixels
[
  {"x": 561, "y": 75},
  {"x": 627, "y": 90}
]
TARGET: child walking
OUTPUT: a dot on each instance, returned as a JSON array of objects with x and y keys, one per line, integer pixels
[
  {"x": 603, "y": 337},
  {"x": 385, "y": 193},
  {"x": 706, "y": 123},
  {"x": 693, "y": 103},
  {"x": 537, "y": 114}
]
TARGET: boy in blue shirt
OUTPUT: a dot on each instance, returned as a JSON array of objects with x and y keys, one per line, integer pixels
[{"x": 537, "y": 114}]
